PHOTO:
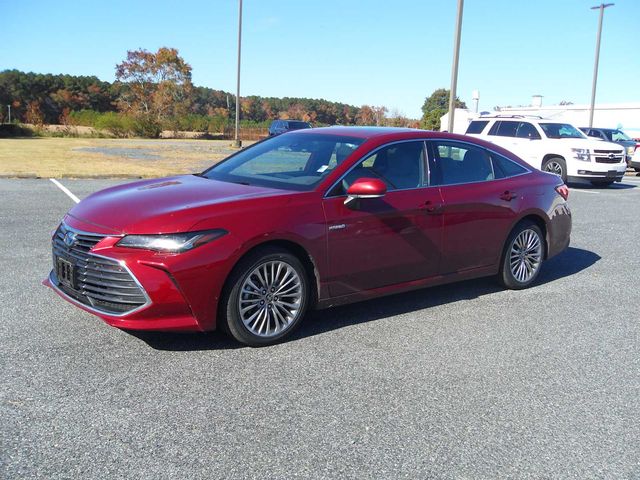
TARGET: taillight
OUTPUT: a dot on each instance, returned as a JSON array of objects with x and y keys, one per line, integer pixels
[{"x": 563, "y": 191}]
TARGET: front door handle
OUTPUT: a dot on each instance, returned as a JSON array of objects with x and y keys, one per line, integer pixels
[
  {"x": 508, "y": 195},
  {"x": 430, "y": 207}
]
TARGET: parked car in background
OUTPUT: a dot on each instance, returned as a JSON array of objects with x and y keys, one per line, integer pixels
[
  {"x": 552, "y": 146},
  {"x": 282, "y": 126},
  {"x": 616, "y": 136},
  {"x": 313, "y": 218},
  {"x": 635, "y": 160}
]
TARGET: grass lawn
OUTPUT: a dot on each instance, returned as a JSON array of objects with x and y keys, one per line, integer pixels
[{"x": 82, "y": 157}]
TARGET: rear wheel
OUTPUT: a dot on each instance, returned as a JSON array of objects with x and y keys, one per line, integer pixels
[
  {"x": 556, "y": 165},
  {"x": 266, "y": 297},
  {"x": 522, "y": 256}
]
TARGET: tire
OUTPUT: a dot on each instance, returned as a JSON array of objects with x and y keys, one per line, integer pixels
[
  {"x": 556, "y": 165},
  {"x": 522, "y": 256},
  {"x": 637, "y": 169},
  {"x": 597, "y": 183},
  {"x": 265, "y": 297}
]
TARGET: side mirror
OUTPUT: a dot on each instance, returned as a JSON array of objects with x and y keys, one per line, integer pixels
[{"x": 365, "y": 188}]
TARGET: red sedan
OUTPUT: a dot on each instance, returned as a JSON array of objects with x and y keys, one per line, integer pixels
[{"x": 308, "y": 219}]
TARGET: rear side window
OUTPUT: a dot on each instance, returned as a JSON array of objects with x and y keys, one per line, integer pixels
[
  {"x": 526, "y": 130},
  {"x": 506, "y": 129},
  {"x": 505, "y": 168},
  {"x": 458, "y": 163},
  {"x": 477, "y": 126},
  {"x": 596, "y": 134}
]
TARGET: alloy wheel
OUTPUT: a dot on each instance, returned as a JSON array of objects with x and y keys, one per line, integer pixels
[
  {"x": 554, "y": 167},
  {"x": 525, "y": 255},
  {"x": 270, "y": 298}
]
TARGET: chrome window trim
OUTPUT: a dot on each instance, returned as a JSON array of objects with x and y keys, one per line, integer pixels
[
  {"x": 528, "y": 170},
  {"x": 424, "y": 169}
]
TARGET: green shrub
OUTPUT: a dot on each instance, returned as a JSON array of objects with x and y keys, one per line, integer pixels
[
  {"x": 118, "y": 125},
  {"x": 146, "y": 126},
  {"x": 85, "y": 118}
]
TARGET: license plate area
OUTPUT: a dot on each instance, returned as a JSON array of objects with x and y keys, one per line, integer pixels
[
  {"x": 66, "y": 273},
  {"x": 612, "y": 174}
]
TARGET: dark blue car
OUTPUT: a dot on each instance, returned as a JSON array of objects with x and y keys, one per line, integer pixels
[{"x": 282, "y": 126}]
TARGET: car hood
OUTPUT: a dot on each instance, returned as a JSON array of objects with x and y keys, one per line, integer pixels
[
  {"x": 165, "y": 205},
  {"x": 600, "y": 145}
]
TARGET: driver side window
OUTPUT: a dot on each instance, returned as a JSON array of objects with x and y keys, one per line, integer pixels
[{"x": 399, "y": 166}]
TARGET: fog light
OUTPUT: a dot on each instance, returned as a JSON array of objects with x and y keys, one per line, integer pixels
[{"x": 582, "y": 172}]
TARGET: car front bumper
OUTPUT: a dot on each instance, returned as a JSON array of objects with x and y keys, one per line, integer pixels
[{"x": 173, "y": 292}]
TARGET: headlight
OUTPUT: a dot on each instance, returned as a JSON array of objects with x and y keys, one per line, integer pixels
[
  {"x": 581, "y": 154},
  {"x": 171, "y": 243},
  {"x": 630, "y": 150}
]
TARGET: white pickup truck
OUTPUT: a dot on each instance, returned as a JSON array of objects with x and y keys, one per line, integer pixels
[{"x": 554, "y": 146}]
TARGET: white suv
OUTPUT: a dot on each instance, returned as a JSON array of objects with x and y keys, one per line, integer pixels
[{"x": 553, "y": 146}]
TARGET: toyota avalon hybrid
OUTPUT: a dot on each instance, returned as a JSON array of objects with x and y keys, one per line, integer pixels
[{"x": 308, "y": 219}]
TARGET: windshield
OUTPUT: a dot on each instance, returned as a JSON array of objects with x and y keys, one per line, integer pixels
[
  {"x": 561, "y": 130},
  {"x": 617, "y": 135},
  {"x": 292, "y": 162}
]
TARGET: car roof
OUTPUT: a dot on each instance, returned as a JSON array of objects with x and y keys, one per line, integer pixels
[
  {"x": 389, "y": 134},
  {"x": 365, "y": 132}
]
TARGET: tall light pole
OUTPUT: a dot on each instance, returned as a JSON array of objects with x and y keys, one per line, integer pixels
[
  {"x": 454, "y": 68},
  {"x": 9, "y": 107},
  {"x": 238, "y": 142},
  {"x": 600, "y": 7}
]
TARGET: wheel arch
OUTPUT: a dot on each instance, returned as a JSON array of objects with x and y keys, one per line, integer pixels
[
  {"x": 295, "y": 249},
  {"x": 549, "y": 156},
  {"x": 539, "y": 221}
]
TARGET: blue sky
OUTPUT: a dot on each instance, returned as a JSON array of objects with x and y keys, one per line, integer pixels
[{"x": 376, "y": 52}]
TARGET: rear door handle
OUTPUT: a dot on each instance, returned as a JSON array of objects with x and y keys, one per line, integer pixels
[
  {"x": 508, "y": 195},
  {"x": 431, "y": 207}
]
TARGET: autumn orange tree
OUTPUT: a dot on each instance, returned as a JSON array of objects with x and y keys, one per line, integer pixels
[{"x": 156, "y": 87}]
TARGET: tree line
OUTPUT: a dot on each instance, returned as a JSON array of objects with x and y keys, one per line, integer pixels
[{"x": 153, "y": 92}]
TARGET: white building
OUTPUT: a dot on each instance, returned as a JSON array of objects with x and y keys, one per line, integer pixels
[{"x": 625, "y": 116}]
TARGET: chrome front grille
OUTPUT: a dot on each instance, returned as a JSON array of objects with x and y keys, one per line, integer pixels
[
  {"x": 608, "y": 156},
  {"x": 98, "y": 282}
]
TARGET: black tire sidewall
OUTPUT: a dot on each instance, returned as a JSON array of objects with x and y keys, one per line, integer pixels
[
  {"x": 231, "y": 322},
  {"x": 505, "y": 276},
  {"x": 560, "y": 161}
]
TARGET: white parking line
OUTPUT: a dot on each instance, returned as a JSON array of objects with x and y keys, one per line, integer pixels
[
  {"x": 65, "y": 190},
  {"x": 582, "y": 191}
]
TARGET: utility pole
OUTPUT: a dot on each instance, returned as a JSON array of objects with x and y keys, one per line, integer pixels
[
  {"x": 9, "y": 107},
  {"x": 600, "y": 7},
  {"x": 454, "y": 68},
  {"x": 238, "y": 142}
]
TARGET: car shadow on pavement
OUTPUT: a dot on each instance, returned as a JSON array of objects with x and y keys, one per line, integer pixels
[
  {"x": 186, "y": 342},
  {"x": 568, "y": 263},
  {"x": 615, "y": 186}
]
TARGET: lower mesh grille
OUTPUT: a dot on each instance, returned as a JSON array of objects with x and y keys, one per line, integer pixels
[{"x": 98, "y": 282}]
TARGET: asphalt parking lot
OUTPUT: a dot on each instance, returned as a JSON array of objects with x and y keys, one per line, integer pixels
[{"x": 461, "y": 381}]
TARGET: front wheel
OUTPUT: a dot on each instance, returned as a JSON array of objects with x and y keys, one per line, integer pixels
[
  {"x": 556, "y": 165},
  {"x": 522, "y": 256},
  {"x": 266, "y": 297}
]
